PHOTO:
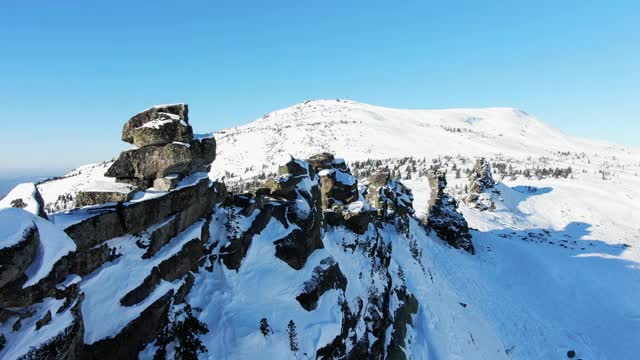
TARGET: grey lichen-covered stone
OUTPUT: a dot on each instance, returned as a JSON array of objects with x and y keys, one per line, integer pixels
[
  {"x": 128, "y": 343},
  {"x": 481, "y": 186},
  {"x": 152, "y": 162},
  {"x": 90, "y": 198},
  {"x": 193, "y": 201},
  {"x": 166, "y": 183},
  {"x": 203, "y": 153},
  {"x": 174, "y": 111},
  {"x": 481, "y": 178},
  {"x": 16, "y": 259},
  {"x": 163, "y": 131}
]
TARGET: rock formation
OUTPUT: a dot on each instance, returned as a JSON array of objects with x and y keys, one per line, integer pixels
[
  {"x": 443, "y": 216},
  {"x": 167, "y": 149},
  {"x": 39, "y": 288},
  {"x": 481, "y": 184},
  {"x": 340, "y": 198}
]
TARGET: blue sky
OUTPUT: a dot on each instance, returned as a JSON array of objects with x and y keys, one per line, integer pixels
[{"x": 72, "y": 72}]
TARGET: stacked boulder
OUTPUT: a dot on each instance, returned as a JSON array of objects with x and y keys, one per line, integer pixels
[
  {"x": 340, "y": 197},
  {"x": 443, "y": 216},
  {"x": 481, "y": 186},
  {"x": 167, "y": 149}
]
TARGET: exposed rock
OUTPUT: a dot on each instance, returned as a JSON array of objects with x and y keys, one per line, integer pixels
[
  {"x": 90, "y": 198},
  {"x": 16, "y": 259},
  {"x": 481, "y": 186},
  {"x": 321, "y": 161},
  {"x": 165, "y": 129},
  {"x": 403, "y": 316},
  {"x": 143, "y": 290},
  {"x": 194, "y": 201},
  {"x": 135, "y": 336},
  {"x": 203, "y": 153},
  {"x": 337, "y": 187},
  {"x": 392, "y": 199},
  {"x": 325, "y": 277},
  {"x": 481, "y": 178},
  {"x": 237, "y": 247},
  {"x": 178, "y": 112},
  {"x": 184, "y": 261},
  {"x": 46, "y": 319},
  {"x": 166, "y": 183},
  {"x": 151, "y": 162},
  {"x": 305, "y": 211},
  {"x": 68, "y": 344},
  {"x": 443, "y": 216}
]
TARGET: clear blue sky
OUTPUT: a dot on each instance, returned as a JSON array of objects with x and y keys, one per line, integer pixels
[{"x": 72, "y": 72}]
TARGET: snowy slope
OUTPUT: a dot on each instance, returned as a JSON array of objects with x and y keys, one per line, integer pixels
[
  {"x": 556, "y": 269},
  {"x": 357, "y": 131}
]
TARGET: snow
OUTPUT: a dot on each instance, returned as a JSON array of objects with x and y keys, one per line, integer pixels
[
  {"x": 101, "y": 309},
  {"x": 26, "y": 192},
  {"x": 556, "y": 269},
  {"x": 21, "y": 341},
  {"x": 358, "y": 131},
  {"x": 14, "y": 223},
  {"x": 54, "y": 244},
  {"x": 157, "y": 124}
]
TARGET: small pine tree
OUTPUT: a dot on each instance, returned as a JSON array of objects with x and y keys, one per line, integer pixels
[
  {"x": 265, "y": 329},
  {"x": 293, "y": 336}
]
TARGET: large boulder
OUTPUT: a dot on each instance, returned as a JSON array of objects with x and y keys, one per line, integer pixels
[
  {"x": 164, "y": 130},
  {"x": 19, "y": 239},
  {"x": 178, "y": 112},
  {"x": 152, "y": 162}
]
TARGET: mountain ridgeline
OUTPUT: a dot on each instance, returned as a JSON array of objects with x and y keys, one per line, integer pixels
[{"x": 186, "y": 247}]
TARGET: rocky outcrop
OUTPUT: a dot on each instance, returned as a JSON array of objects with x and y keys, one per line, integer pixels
[
  {"x": 135, "y": 336},
  {"x": 192, "y": 202},
  {"x": 14, "y": 260},
  {"x": 325, "y": 277},
  {"x": 152, "y": 162},
  {"x": 443, "y": 216},
  {"x": 340, "y": 198},
  {"x": 167, "y": 149},
  {"x": 391, "y": 199},
  {"x": 68, "y": 344},
  {"x": 177, "y": 112},
  {"x": 89, "y": 198},
  {"x": 298, "y": 186},
  {"x": 481, "y": 185}
]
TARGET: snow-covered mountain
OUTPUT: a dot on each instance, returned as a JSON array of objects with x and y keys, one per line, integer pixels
[
  {"x": 444, "y": 234},
  {"x": 358, "y": 131}
]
